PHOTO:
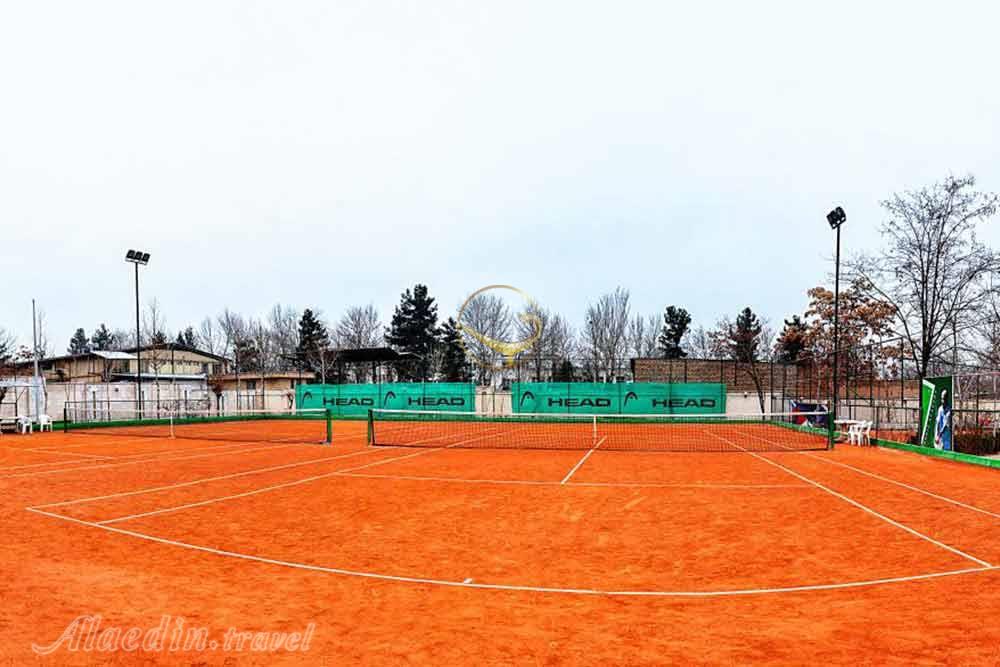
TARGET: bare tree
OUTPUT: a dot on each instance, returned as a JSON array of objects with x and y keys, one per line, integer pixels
[
  {"x": 553, "y": 340},
  {"x": 561, "y": 338},
  {"x": 154, "y": 324},
  {"x": 359, "y": 327},
  {"x": 234, "y": 330},
  {"x": 700, "y": 344},
  {"x": 985, "y": 346},
  {"x": 485, "y": 319},
  {"x": 283, "y": 323},
  {"x": 642, "y": 335},
  {"x": 606, "y": 332},
  {"x": 42, "y": 347},
  {"x": 210, "y": 337},
  {"x": 7, "y": 344},
  {"x": 154, "y": 335},
  {"x": 934, "y": 272},
  {"x": 263, "y": 345}
]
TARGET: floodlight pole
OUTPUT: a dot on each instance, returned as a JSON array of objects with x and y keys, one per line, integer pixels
[
  {"x": 138, "y": 349},
  {"x": 36, "y": 388},
  {"x": 836, "y": 325},
  {"x": 836, "y": 218},
  {"x": 137, "y": 257}
]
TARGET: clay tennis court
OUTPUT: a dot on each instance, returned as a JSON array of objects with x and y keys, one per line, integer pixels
[{"x": 450, "y": 554}]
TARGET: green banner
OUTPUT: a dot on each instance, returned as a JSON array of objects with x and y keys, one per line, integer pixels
[
  {"x": 355, "y": 400},
  {"x": 637, "y": 398},
  {"x": 936, "y": 397}
]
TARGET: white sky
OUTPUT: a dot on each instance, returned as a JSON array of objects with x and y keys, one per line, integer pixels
[{"x": 325, "y": 154}]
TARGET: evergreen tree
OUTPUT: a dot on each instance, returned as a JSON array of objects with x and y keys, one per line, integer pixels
[
  {"x": 414, "y": 326},
  {"x": 103, "y": 339},
  {"x": 314, "y": 342},
  {"x": 745, "y": 336},
  {"x": 313, "y": 335},
  {"x": 792, "y": 341},
  {"x": 675, "y": 325},
  {"x": 565, "y": 372},
  {"x": 79, "y": 343},
  {"x": 159, "y": 338},
  {"x": 453, "y": 366},
  {"x": 187, "y": 338},
  {"x": 247, "y": 355}
]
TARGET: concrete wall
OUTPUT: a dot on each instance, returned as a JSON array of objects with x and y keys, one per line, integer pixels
[{"x": 92, "y": 398}]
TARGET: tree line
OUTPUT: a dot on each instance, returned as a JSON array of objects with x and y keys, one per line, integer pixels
[{"x": 931, "y": 290}]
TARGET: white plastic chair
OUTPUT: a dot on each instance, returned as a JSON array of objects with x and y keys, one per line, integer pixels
[
  {"x": 24, "y": 425},
  {"x": 43, "y": 422},
  {"x": 866, "y": 433}
]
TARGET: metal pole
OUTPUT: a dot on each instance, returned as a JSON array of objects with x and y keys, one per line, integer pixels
[
  {"x": 36, "y": 385},
  {"x": 138, "y": 349},
  {"x": 836, "y": 326}
]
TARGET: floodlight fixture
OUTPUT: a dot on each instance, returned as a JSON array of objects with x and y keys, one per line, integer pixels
[{"x": 836, "y": 217}]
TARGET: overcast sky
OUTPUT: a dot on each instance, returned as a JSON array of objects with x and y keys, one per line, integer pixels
[{"x": 332, "y": 153}]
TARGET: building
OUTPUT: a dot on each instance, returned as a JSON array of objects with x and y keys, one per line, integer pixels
[
  {"x": 160, "y": 363},
  {"x": 174, "y": 377}
]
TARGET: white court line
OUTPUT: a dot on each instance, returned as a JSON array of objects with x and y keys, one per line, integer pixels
[
  {"x": 654, "y": 485},
  {"x": 420, "y": 443},
  {"x": 42, "y": 465},
  {"x": 140, "y": 462},
  {"x": 77, "y": 454},
  {"x": 79, "y": 501},
  {"x": 889, "y": 480},
  {"x": 512, "y": 587},
  {"x": 151, "y": 456},
  {"x": 858, "y": 505},
  {"x": 49, "y": 451},
  {"x": 264, "y": 489},
  {"x": 276, "y": 487},
  {"x": 582, "y": 460},
  {"x": 531, "y": 482},
  {"x": 906, "y": 486}
]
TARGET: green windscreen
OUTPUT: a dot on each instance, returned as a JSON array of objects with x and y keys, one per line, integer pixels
[
  {"x": 638, "y": 398},
  {"x": 355, "y": 400}
]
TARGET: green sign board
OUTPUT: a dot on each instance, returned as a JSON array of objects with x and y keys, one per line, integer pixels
[
  {"x": 355, "y": 400},
  {"x": 638, "y": 398}
]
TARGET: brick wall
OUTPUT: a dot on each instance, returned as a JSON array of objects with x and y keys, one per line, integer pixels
[{"x": 774, "y": 377}]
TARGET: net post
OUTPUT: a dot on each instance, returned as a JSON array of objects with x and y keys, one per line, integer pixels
[
  {"x": 594, "y": 441},
  {"x": 830, "y": 431},
  {"x": 65, "y": 418},
  {"x": 371, "y": 427},
  {"x": 329, "y": 426}
]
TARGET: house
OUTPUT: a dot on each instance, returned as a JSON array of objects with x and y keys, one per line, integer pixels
[{"x": 159, "y": 363}]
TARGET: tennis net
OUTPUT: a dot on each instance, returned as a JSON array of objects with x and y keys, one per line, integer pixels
[
  {"x": 796, "y": 431},
  {"x": 291, "y": 426}
]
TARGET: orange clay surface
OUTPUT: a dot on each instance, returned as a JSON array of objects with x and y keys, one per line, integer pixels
[{"x": 442, "y": 555}]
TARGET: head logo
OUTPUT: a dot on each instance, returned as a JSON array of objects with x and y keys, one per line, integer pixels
[
  {"x": 307, "y": 396},
  {"x": 389, "y": 395},
  {"x": 631, "y": 396},
  {"x": 525, "y": 396},
  {"x": 484, "y": 321}
]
